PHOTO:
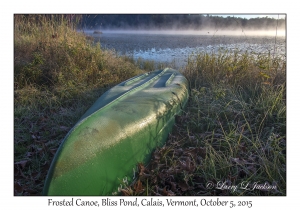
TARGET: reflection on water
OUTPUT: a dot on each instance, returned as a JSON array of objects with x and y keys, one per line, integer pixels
[{"x": 175, "y": 48}]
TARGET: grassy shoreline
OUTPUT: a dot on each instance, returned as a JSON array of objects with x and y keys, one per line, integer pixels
[
  {"x": 232, "y": 132},
  {"x": 231, "y": 139}
]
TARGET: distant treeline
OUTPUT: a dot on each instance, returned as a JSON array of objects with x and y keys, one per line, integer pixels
[{"x": 178, "y": 21}]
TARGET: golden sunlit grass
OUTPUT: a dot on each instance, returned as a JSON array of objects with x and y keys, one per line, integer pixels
[{"x": 49, "y": 52}]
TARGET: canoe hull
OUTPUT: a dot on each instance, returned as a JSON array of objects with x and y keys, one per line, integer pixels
[{"x": 121, "y": 129}]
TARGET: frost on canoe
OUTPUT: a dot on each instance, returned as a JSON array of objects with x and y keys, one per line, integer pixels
[{"x": 120, "y": 130}]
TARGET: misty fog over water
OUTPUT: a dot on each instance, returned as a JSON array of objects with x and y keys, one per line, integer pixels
[{"x": 175, "y": 47}]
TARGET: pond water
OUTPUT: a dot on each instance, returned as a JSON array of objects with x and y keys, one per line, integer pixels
[{"x": 175, "y": 48}]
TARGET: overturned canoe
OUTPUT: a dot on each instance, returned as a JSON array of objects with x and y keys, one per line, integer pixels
[{"x": 120, "y": 130}]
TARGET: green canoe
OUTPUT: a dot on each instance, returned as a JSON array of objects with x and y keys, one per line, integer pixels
[{"x": 121, "y": 129}]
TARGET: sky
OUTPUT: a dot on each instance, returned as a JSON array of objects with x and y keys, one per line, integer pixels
[{"x": 248, "y": 16}]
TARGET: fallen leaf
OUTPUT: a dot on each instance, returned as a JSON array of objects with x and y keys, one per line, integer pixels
[
  {"x": 242, "y": 147},
  {"x": 171, "y": 193},
  {"x": 53, "y": 151},
  {"x": 183, "y": 186},
  {"x": 138, "y": 187},
  {"x": 64, "y": 128},
  {"x": 178, "y": 152},
  {"x": 127, "y": 191},
  {"x": 165, "y": 192},
  {"x": 21, "y": 173},
  {"x": 236, "y": 160},
  {"x": 39, "y": 150},
  {"x": 29, "y": 154},
  {"x": 141, "y": 168},
  {"x": 252, "y": 169},
  {"x": 22, "y": 163},
  {"x": 156, "y": 156},
  {"x": 31, "y": 191},
  {"x": 232, "y": 178},
  {"x": 173, "y": 186},
  {"x": 18, "y": 188},
  {"x": 202, "y": 152},
  {"x": 35, "y": 175},
  {"x": 156, "y": 194}
]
